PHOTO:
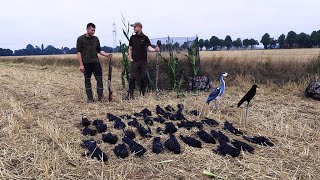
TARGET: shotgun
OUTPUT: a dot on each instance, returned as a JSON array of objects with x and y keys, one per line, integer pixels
[
  {"x": 109, "y": 79},
  {"x": 157, "y": 70}
]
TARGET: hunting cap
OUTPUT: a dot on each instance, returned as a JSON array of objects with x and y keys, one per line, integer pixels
[{"x": 137, "y": 24}]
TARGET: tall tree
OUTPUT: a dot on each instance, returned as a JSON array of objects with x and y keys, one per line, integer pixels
[
  {"x": 228, "y": 42},
  {"x": 282, "y": 41},
  {"x": 207, "y": 44},
  {"x": 201, "y": 44},
  {"x": 237, "y": 43},
  {"x": 303, "y": 40},
  {"x": 246, "y": 43},
  {"x": 291, "y": 39},
  {"x": 265, "y": 40},
  {"x": 215, "y": 42},
  {"x": 253, "y": 43}
]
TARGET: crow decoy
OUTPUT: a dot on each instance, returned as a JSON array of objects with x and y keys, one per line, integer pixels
[
  {"x": 243, "y": 146},
  {"x": 94, "y": 151},
  {"x": 146, "y": 133},
  {"x": 248, "y": 97},
  {"x": 170, "y": 128},
  {"x": 206, "y": 137},
  {"x": 146, "y": 111},
  {"x": 85, "y": 122},
  {"x": 129, "y": 134},
  {"x": 261, "y": 140},
  {"x": 218, "y": 91},
  {"x": 160, "y": 111},
  {"x": 210, "y": 122},
  {"x": 224, "y": 148},
  {"x": 157, "y": 146},
  {"x": 228, "y": 126},
  {"x": 147, "y": 120},
  {"x": 219, "y": 136},
  {"x": 118, "y": 124},
  {"x": 110, "y": 138}
]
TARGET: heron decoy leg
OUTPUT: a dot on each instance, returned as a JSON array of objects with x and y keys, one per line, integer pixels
[
  {"x": 215, "y": 105},
  {"x": 245, "y": 119}
]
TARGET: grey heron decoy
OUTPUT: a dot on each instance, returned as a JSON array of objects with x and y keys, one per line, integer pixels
[{"x": 218, "y": 91}]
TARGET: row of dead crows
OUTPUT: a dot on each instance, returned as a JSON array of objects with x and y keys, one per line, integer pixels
[{"x": 164, "y": 116}]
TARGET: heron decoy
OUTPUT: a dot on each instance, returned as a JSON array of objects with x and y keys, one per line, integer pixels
[
  {"x": 218, "y": 91},
  {"x": 248, "y": 97}
]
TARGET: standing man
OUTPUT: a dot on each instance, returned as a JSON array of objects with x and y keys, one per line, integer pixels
[
  {"x": 88, "y": 47},
  {"x": 139, "y": 44}
]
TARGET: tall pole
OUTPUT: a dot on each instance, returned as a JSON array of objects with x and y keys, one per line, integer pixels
[{"x": 114, "y": 32}]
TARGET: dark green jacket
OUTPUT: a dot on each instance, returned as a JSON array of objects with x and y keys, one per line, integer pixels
[{"x": 89, "y": 47}]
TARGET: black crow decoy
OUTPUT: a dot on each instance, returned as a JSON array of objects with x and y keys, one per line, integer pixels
[
  {"x": 110, "y": 138},
  {"x": 97, "y": 121},
  {"x": 172, "y": 144},
  {"x": 118, "y": 124},
  {"x": 169, "y": 108},
  {"x": 94, "y": 150},
  {"x": 206, "y": 137},
  {"x": 210, "y": 122},
  {"x": 147, "y": 120},
  {"x": 121, "y": 151},
  {"x": 159, "y": 130},
  {"x": 248, "y": 97},
  {"x": 160, "y": 111},
  {"x": 101, "y": 128},
  {"x": 134, "y": 123},
  {"x": 170, "y": 128},
  {"x": 135, "y": 147},
  {"x": 261, "y": 140},
  {"x": 129, "y": 134},
  {"x": 137, "y": 114},
  {"x": 157, "y": 146},
  {"x": 146, "y": 111},
  {"x": 195, "y": 112},
  {"x": 243, "y": 146},
  {"x": 159, "y": 119},
  {"x": 146, "y": 133},
  {"x": 87, "y": 131},
  {"x": 190, "y": 124},
  {"x": 191, "y": 141},
  {"x": 228, "y": 126}
]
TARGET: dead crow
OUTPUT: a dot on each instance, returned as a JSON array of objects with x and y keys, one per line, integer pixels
[
  {"x": 134, "y": 123},
  {"x": 146, "y": 133},
  {"x": 169, "y": 108},
  {"x": 97, "y": 121},
  {"x": 85, "y": 122},
  {"x": 87, "y": 131},
  {"x": 206, "y": 137},
  {"x": 224, "y": 148},
  {"x": 101, "y": 128},
  {"x": 138, "y": 114},
  {"x": 191, "y": 141},
  {"x": 138, "y": 149},
  {"x": 121, "y": 151},
  {"x": 219, "y": 136},
  {"x": 261, "y": 140},
  {"x": 172, "y": 144},
  {"x": 243, "y": 146},
  {"x": 146, "y": 111},
  {"x": 170, "y": 128},
  {"x": 210, "y": 122},
  {"x": 125, "y": 117},
  {"x": 112, "y": 117},
  {"x": 130, "y": 134},
  {"x": 228, "y": 126},
  {"x": 110, "y": 138},
  {"x": 159, "y": 130},
  {"x": 118, "y": 124},
  {"x": 94, "y": 150},
  {"x": 159, "y": 119},
  {"x": 195, "y": 112},
  {"x": 160, "y": 111},
  {"x": 190, "y": 124},
  {"x": 157, "y": 146},
  {"x": 147, "y": 120}
]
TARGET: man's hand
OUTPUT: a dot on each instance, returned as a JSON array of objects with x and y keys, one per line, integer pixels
[
  {"x": 81, "y": 68},
  {"x": 157, "y": 49},
  {"x": 110, "y": 55}
]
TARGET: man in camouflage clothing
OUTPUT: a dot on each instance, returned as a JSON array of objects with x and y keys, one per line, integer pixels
[{"x": 88, "y": 47}]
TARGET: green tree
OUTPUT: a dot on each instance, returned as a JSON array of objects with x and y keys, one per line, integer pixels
[
  {"x": 237, "y": 43},
  {"x": 282, "y": 41},
  {"x": 273, "y": 43},
  {"x": 201, "y": 44},
  {"x": 207, "y": 44},
  {"x": 253, "y": 43},
  {"x": 315, "y": 38},
  {"x": 303, "y": 40},
  {"x": 246, "y": 43},
  {"x": 215, "y": 42},
  {"x": 228, "y": 42},
  {"x": 291, "y": 39},
  {"x": 222, "y": 43},
  {"x": 265, "y": 40}
]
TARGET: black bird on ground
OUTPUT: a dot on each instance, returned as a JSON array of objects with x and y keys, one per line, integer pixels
[
  {"x": 206, "y": 137},
  {"x": 146, "y": 111},
  {"x": 169, "y": 115},
  {"x": 112, "y": 117},
  {"x": 118, "y": 124},
  {"x": 228, "y": 126},
  {"x": 248, "y": 97},
  {"x": 85, "y": 122},
  {"x": 169, "y": 108},
  {"x": 179, "y": 115},
  {"x": 190, "y": 124},
  {"x": 157, "y": 146},
  {"x": 160, "y": 111},
  {"x": 243, "y": 146},
  {"x": 159, "y": 119},
  {"x": 138, "y": 114},
  {"x": 87, "y": 131},
  {"x": 159, "y": 130},
  {"x": 135, "y": 147},
  {"x": 125, "y": 117},
  {"x": 191, "y": 141},
  {"x": 110, "y": 138},
  {"x": 195, "y": 112},
  {"x": 146, "y": 133},
  {"x": 210, "y": 122},
  {"x": 170, "y": 128},
  {"x": 261, "y": 140},
  {"x": 219, "y": 136},
  {"x": 94, "y": 150},
  {"x": 147, "y": 120},
  {"x": 101, "y": 128},
  {"x": 129, "y": 134},
  {"x": 121, "y": 151},
  {"x": 97, "y": 121},
  {"x": 224, "y": 148},
  {"x": 134, "y": 123},
  {"x": 172, "y": 144}
]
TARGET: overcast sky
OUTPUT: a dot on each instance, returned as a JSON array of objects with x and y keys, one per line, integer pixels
[{"x": 60, "y": 22}]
